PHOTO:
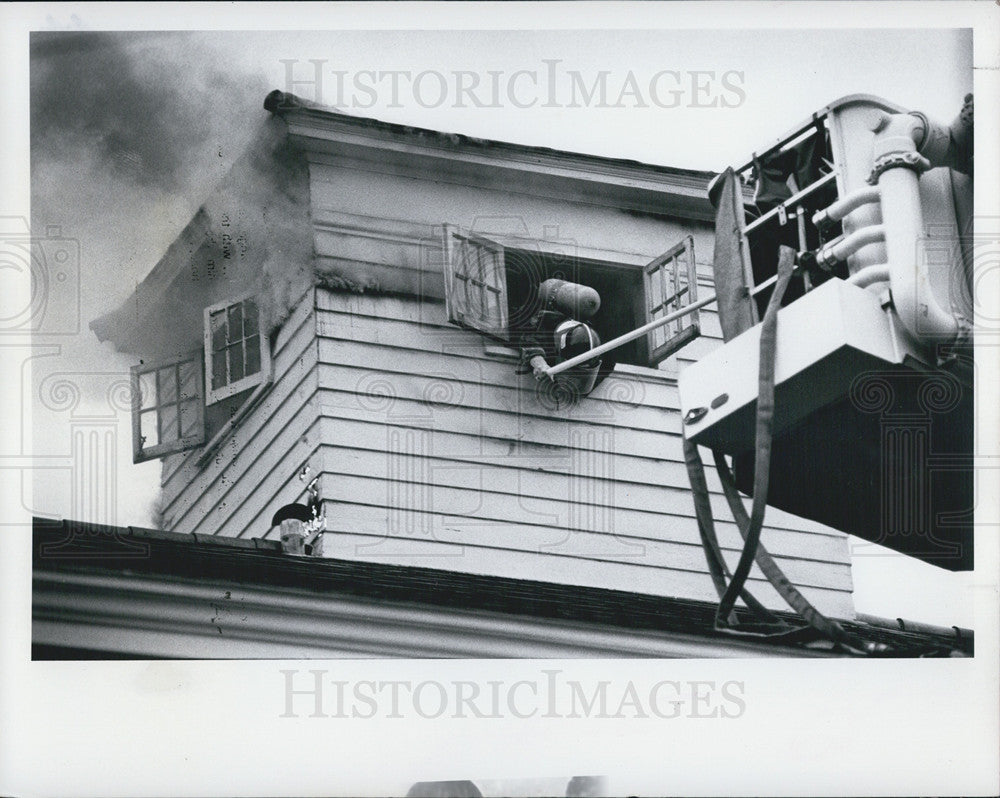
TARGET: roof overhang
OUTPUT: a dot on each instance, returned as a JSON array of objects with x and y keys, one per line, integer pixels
[{"x": 331, "y": 136}]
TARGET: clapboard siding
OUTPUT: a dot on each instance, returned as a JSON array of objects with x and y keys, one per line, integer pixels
[
  {"x": 540, "y": 526},
  {"x": 438, "y": 361},
  {"x": 294, "y": 351},
  {"x": 436, "y": 452},
  {"x": 645, "y": 508},
  {"x": 652, "y": 483},
  {"x": 552, "y": 567},
  {"x": 245, "y": 479}
]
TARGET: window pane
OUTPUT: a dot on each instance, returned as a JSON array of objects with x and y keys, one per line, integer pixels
[
  {"x": 235, "y": 323},
  {"x": 236, "y": 370},
  {"x": 189, "y": 418},
  {"x": 251, "y": 318},
  {"x": 217, "y": 324},
  {"x": 253, "y": 355},
  {"x": 147, "y": 390},
  {"x": 218, "y": 369},
  {"x": 494, "y": 264},
  {"x": 166, "y": 385},
  {"x": 168, "y": 423},
  {"x": 148, "y": 429},
  {"x": 189, "y": 379}
]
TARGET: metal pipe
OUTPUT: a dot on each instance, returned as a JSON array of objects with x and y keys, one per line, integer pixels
[
  {"x": 839, "y": 209},
  {"x": 638, "y": 332},
  {"x": 902, "y": 217},
  {"x": 877, "y": 273},
  {"x": 844, "y": 247}
]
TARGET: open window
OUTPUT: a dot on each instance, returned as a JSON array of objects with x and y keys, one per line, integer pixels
[
  {"x": 475, "y": 281},
  {"x": 237, "y": 355},
  {"x": 671, "y": 283},
  {"x": 167, "y": 407},
  {"x": 493, "y": 288},
  {"x": 179, "y": 403}
]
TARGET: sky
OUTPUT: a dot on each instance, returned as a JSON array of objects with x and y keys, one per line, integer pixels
[{"x": 130, "y": 132}]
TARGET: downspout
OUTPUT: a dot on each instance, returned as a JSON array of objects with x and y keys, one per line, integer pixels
[{"x": 905, "y": 146}]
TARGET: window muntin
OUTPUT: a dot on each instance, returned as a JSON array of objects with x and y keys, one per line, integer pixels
[
  {"x": 475, "y": 283},
  {"x": 167, "y": 407},
  {"x": 493, "y": 289},
  {"x": 671, "y": 283},
  {"x": 237, "y": 356}
]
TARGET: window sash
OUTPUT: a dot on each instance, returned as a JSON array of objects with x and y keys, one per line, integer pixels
[
  {"x": 230, "y": 357},
  {"x": 475, "y": 281},
  {"x": 165, "y": 402},
  {"x": 671, "y": 283}
]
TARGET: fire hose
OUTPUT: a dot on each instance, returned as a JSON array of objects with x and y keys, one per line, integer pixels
[{"x": 750, "y": 526}]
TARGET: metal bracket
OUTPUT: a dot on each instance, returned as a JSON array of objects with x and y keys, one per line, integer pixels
[{"x": 907, "y": 160}]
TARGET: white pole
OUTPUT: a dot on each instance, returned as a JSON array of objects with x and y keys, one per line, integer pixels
[{"x": 621, "y": 340}]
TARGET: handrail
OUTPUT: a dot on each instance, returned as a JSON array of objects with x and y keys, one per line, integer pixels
[{"x": 790, "y": 201}]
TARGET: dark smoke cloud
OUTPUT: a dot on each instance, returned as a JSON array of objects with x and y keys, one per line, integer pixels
[{"x": 137, "y": 105}]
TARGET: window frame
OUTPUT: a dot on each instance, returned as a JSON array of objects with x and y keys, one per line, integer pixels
[
  {"x": 140, "y": 453},
  {"x": 260, "y": 377},
  {"x": 461, "y": 316},
  {"x": 688, "y": 327}
]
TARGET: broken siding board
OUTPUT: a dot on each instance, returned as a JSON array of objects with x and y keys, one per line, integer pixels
[
  {"x": 274, "y": 494},
  {"x": 230, "y": 507},
  {"x": 255, "y": 444}
]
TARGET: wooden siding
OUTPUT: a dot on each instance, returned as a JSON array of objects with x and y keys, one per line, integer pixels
[
  {"x": 254, "y": 470},
  {"x": 435, "y": 453}
]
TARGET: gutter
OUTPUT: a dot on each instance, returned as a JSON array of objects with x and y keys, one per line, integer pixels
[{"x": 960, "y": 637}]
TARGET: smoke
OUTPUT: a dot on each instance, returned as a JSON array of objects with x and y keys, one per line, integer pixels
[
  {"x": 135, "y": 106},
  {"x": 129, "y": 133}
]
